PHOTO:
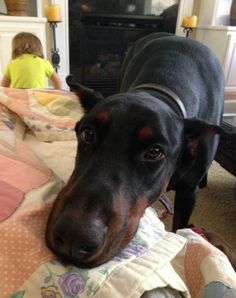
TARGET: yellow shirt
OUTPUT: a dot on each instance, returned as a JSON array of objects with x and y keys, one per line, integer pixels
[{"x": 28, "y": 71}]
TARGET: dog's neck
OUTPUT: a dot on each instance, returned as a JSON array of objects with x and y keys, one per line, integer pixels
[{"x": 163, "y": 89}]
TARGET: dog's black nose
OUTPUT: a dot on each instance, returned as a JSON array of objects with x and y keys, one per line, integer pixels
[{"x": 76, "y": 239}]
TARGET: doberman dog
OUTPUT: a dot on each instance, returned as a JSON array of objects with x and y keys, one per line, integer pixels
[{"x": 160, "y": 132}]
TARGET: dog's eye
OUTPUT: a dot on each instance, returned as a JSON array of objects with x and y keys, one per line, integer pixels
[
  {"x": 87, "y": 135},
  {"x": 154, "y": 152}
]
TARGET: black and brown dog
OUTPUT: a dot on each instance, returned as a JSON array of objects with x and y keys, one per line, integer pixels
[{"x": 160, "y": 132}]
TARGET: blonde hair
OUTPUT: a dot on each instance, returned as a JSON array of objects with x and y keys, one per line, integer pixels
[{"x": 26, "y": 43}]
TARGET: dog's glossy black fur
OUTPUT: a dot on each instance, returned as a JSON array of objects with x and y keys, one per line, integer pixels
[{"x": 135, "y": 145}]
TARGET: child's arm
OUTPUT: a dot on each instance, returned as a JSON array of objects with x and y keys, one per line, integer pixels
[
  {"x": 56, "y": 81},
  {"x": 5, "y": 81}
]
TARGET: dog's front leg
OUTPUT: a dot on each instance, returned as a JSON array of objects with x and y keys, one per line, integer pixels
[{"x": 185, "y": 200}]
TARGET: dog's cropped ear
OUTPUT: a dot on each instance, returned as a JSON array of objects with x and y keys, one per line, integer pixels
[
  {"x": 88, "y": 97},
  {"x": 196, "y": 129}
]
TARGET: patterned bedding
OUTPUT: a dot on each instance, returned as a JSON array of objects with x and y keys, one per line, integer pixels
[{"x": 37, "y": 149}]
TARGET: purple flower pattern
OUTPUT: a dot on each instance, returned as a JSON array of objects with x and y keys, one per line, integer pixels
[
  {"x": 72, "y": 284},
  {"x": 132, "y": 249},
  {"x": 9, "y": 124}
]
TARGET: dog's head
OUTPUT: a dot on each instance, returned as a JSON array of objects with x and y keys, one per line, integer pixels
[{"x": 128, "y": 149}]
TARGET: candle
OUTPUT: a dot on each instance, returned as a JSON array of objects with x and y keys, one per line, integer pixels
[
  {"x": 53, "y": 13},
  {"x": 189, "y": 22}
]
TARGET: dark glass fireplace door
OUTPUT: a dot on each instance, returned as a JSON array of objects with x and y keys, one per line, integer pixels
[{"x": 102, "y": 44}]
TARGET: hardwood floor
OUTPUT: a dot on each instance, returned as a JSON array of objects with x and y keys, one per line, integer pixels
[{"x": 230, "y": 95}]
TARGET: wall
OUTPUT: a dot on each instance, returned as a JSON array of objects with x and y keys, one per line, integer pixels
[{"x": 214, "y": 12}]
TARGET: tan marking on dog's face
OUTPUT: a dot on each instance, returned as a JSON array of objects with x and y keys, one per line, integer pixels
[
  {"x": 59, "y": 202},
  {"x": 104, "y": 117},
  {"x": 122, "y": 228},
  {"x": 145, "y": 132}
]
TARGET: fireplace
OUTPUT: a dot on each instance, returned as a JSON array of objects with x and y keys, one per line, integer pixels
[{"x": 99, "y": 42}]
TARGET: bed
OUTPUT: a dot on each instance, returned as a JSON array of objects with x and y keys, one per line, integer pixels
[{"x": 37, "y": 151}]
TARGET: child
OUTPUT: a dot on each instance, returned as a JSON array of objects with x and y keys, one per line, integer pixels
[{"x": 28, "y": 68}]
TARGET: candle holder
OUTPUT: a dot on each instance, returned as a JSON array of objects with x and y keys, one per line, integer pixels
[
  {"x": 189, "y": 23},
  {"x": 55, "y": 51},
  {"x": 187, "y": 30}
]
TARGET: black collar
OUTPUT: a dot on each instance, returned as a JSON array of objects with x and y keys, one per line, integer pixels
[{"x": 165, "y": 91}]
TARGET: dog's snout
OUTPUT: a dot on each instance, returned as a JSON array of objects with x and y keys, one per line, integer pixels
[{"x": 74, "y": 238}]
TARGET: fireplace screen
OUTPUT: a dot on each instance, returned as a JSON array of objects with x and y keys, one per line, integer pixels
[{"x": 100, "y": 44}]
